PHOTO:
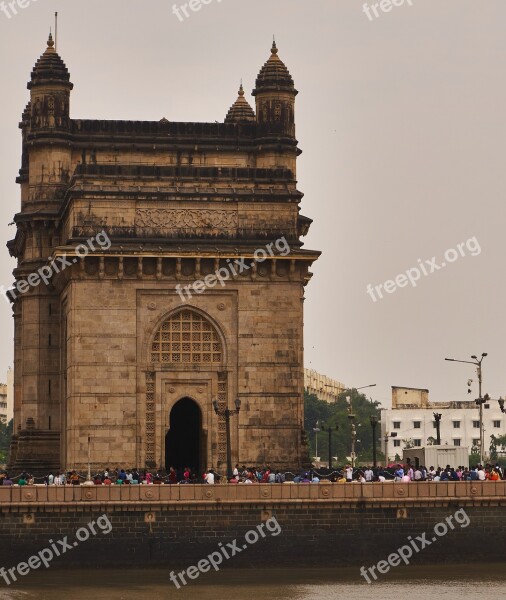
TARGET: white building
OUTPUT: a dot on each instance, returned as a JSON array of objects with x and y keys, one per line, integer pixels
[
  {"x": 3, "y": 403},
  {"x": 322, "y": 386},
  {"x": 6, "y": 398},
  {"x": 10, "y": 394},
  {"x": 414, "y": 423}
]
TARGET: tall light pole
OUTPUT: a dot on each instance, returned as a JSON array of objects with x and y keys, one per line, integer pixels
[
  {"x": 330, "y": 430},
  {"x": 373, "y": 419},
  {"x": 387, "y": 436},
  {"x": 89, "y": 458},
  {"x": 227, "y": 413},
  {"x": 437, "y": 418},
  {"x": 351, "y": 389},
  {"x": 316, "y": 430},
  {"x": 480, "y": 400},
  {"x": 351, "y": 417}
]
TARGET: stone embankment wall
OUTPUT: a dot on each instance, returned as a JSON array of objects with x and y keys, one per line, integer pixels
[{"x": 321, "y": 524}]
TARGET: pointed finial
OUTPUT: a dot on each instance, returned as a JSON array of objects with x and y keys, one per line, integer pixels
[
  {"x": 274, "y": 48},
  {"x": 50, "y": 42},
  {"x": 241, "y": 90}
]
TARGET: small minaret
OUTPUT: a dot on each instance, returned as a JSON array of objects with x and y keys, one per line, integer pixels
[
  {"x": 240, "y": 111},
  {"x": 46, "y": 130},
  {"x": 275, "y": 98},
  {"x": 50, "y": 89}
]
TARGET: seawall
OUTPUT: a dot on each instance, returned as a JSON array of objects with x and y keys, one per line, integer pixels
[{"x": 321, "y": 524}]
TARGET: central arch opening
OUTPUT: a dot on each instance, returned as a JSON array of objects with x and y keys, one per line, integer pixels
[{"x": 183, "y": 441}]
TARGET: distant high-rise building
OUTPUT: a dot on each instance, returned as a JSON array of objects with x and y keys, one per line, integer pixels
[{"x": 323, "y": 387}]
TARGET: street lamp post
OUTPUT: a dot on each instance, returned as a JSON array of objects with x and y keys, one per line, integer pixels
[
  {"x": 227, "y": 413},
  {"x": 330, "y": 430},
  {"x": 350, "y": 389},
  {"x": 386, "y": 438},
  {"x": 437, "y": 418},
  {"x": 89, "y": 458},
  {"x": 351, "y": 417},
  {"x": 316, "y": 430},
  {"x": 373, "y": 419},
  {"x": 480, "y": 400}
]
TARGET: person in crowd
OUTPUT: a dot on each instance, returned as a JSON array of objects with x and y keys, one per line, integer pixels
[
  {"x": 209, "y": 477},
  {"x": 173, "y": 475},
  {"x": 399, "y": 473},
  {"x": 280, "y": 477}
]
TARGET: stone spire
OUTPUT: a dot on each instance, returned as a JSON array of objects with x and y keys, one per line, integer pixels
[
  {"x": 50, "y": 89},
  {"x": 49, "y": 69},
  {"x": 241, "y": 110},
  {"x": 275, "y": 98},
  {"x": 274, "y": 76}
]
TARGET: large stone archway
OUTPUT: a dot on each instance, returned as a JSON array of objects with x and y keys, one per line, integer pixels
[
  {"x": 183, "y": 441},
  {"x": 187, "y": 357}
]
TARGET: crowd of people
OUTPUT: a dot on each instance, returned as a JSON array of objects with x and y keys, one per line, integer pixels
[{"x": 251, "y": 475}]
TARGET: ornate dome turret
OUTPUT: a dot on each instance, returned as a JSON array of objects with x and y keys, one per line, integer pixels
[
  {"x": 241, "y": 110},
  {"x": 50, "y": 69},
  {"x": 274, "y": 76}
]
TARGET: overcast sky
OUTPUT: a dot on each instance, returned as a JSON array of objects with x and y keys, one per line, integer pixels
[{"x": 401, "y": 120}]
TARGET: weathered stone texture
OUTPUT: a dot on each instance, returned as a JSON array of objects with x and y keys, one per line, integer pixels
[{"x": 97, "y": 365}]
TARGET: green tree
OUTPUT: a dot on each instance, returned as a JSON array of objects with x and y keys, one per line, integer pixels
[
  {"x": 5, "y": 440},
  {"x": 336, "y": 414},
  {"x": 493, "y": 448},
  {"x": 474, "y": 457},
  {"x": 500, "y": 441}
]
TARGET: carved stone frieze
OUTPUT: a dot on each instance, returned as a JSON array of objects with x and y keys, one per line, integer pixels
[{"x": 161, "y": 218}]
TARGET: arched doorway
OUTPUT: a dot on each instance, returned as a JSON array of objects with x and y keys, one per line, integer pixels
[{"x": 183, "y": 442}]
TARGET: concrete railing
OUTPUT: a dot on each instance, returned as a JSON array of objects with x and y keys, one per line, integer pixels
[{"x": 371, "y": 493}]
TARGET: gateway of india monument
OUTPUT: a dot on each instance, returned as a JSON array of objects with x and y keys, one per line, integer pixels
[{"x": 130, "y": 353}]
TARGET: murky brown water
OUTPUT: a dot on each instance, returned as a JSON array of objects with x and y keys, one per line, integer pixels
[{"x": 486, "y": 582}]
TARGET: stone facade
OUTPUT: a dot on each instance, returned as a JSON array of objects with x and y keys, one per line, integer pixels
[{"x": 115, "y": 363}]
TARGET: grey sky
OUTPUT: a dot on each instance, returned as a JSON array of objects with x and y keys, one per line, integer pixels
[{"x": 401, "y": 120}]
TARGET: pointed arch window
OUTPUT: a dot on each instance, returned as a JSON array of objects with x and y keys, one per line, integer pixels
[{"x": 187, "y": 338}]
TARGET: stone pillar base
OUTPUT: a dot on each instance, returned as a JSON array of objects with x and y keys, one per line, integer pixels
[{"x": 36, "y": 452}]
